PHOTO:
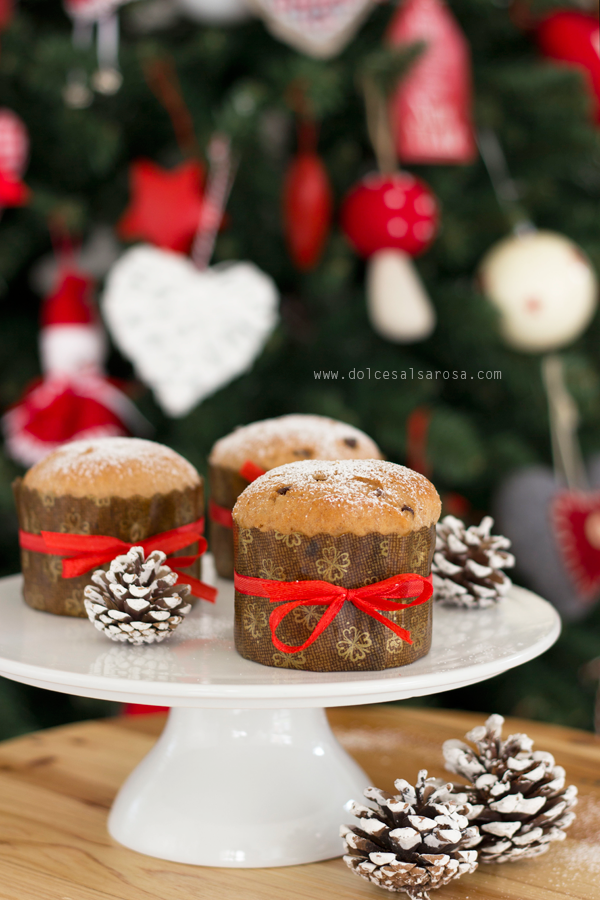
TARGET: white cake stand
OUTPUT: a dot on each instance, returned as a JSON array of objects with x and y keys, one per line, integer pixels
[{"x": 247, "y": 771}]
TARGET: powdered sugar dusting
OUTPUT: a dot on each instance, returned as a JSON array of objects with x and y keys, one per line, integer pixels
[
  {"x": 344, "y": 496},
  {"x": 117, "y": 460},
  {"x": 274, "y": 442}
]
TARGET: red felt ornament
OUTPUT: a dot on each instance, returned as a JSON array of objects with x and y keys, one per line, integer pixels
[
  {"x": 389, "y": 218},
  {"x": 307, "y": 202},
  {"x": 74, "y": 399},
  {"x": 573, "y": 37},
  {"x": 165, "y": 204},
  {"x": 431, "y": 109}
]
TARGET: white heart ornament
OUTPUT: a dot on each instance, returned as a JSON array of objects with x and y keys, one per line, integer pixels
[{"x": 187, "y": 332}]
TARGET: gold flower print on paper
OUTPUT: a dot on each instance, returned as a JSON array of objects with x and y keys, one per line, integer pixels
[
  {"x": 394, "y": 643},
  {"x": 74, "y": 524},
  {"x": 333, "y": 564},
  {"x": 310, "y": 616},
  {"x": 384, "y": 549},
  {"x": 354, "y": 645},
  {"x": 54, "y": 568},
  {"x": 136, "y": 532},
  {"x": 270, "y": 571},
  {"x": 291, "y": 541},
  {"x": 372, "y": 579},
  {"x": 99, "y": 501},
  {"x": 245, "y": 539},
  {"x": 73, "y": 605},
  {"x": 289, "y": 660},
  {"x": 48, "y": 500},
  {"x": 420, "y": 551},
  {"x": 254, "y": 620}
]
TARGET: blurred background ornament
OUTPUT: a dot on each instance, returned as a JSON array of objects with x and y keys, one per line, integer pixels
[
  {"x": 94, "y": 256},
  {"x": 165, "y": 204},
  {"x": 544, "y": 288},
  {"x": 215, "y": 12},
  {"x": 189, "y": 329},
  {"x": 73, "y": 399},
  {"x": 388, "y": 219},
  {"x": 102, "y": 16},
  {"x": 320, "y": 28},
  {"x": 14, "y": 154},
  {"x": 573, "y": 37},
  {"x": 431, "y": 108},
  {"x": 307, "y": 196}
]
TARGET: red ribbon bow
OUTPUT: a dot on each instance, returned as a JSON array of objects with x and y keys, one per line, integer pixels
[
  {"x": 369, "y": 599},
  {"x": 82, "y": 552},
  {"x": 220, "y": 514}
]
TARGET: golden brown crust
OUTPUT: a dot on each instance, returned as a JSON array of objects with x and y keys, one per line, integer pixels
[
  {"x": 111, "y": 467},
  {"x": 275, "y": 442},
  {"x": 342, "y": 497}
]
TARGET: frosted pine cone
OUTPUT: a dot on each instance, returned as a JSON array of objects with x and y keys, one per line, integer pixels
[
  {"x": 518, "y": 796},
  {"x": 413, "y": 842},
  {"x": 468, "y": 562},
  {"x": 138, "y": 599}
]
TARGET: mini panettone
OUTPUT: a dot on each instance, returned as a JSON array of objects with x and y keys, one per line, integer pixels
[
  {"x": 333, "y": 563},
  {"x": 75, "y": 500},
  {"x": 240, "y": 457}
]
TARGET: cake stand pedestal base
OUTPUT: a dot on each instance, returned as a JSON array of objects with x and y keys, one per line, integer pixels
[{"x": 239, "y": 787}]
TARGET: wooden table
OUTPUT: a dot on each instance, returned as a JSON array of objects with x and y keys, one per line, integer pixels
[{"x": 56, "y": 788}]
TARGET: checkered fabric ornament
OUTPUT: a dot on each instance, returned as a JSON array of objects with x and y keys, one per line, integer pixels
[{"x": 315, "y": 27}]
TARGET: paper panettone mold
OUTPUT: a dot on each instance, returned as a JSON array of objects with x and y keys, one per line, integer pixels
[
  {"x": 351, "y": 523},
  {"x": 266, "y": 445},
  {"x": 126, "y": 488}
]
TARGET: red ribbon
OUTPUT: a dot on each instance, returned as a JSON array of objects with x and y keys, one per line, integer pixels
[
  {"x": 82, "y": 552},
  {"x": 369, "y": 599},
  {"x": 250, "y": 471},
  {"x": 220, "y": 514}
]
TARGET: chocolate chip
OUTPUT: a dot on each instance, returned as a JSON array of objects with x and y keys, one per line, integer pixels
[
  {"x": 350, "y": 442},
  {"x": 303, "y": 453},
  {"x": 408, "y": 509},
  {"x": 379, "y": 492},
  {"x": 284, "y": 488}
]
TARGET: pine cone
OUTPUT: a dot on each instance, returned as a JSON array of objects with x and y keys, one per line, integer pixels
[
  {"x": 136, "y": 600},
  {"x": 518, "y": 797},
  {"x": 468, "y": 562},
  {"x": 412, "y": 842}
]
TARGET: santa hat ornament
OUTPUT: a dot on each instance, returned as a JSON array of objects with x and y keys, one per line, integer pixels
[
  {"x": 74, "y": 399},
  {"x": 101, "y": 14},
  {"x": 14, "y": 152}
]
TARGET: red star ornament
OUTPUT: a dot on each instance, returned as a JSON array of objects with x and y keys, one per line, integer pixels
[
  {"x": 576, "y": 519},
  {"x": 165, "y": 204}
]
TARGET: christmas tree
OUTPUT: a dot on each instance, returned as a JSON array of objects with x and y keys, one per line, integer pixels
[{"x": 242, "y": 81}]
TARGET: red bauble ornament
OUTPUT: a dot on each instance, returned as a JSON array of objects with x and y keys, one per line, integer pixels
[
  {"x": 307, "y": 203},
  {"x": 390, "y": 212},
  {"x": 431, "y": 109},
  {"x": 165, "y": 204},
  {"x": 574, "y": 37}
]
